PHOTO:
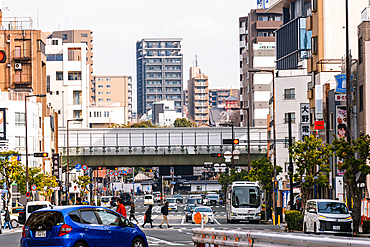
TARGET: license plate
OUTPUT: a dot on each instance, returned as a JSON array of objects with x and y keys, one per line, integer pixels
[
  {"x": 40, "y": 234},
  {"x": 248, "y": 218},
  {"x": 336, "y": 227}
]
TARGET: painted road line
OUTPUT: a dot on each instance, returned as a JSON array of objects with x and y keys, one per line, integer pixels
[
  {"x": 160, "y": 241},
  {"x": 183, "y": 219},
  {"x": 218, "y": 223}
]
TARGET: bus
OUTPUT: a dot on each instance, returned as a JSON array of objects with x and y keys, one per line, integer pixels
[{"x": 243, "y": 202}]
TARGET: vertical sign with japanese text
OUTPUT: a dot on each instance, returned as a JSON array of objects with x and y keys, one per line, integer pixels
[
  {"x": 305, "y": 120},
  {"x": 56, "y": 165},
  {"x": 2, "y": 123}
]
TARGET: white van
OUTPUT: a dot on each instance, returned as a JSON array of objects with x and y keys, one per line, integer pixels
[
  {"x": 36, "y": 205},
  {"x": 105, "y": 201},
  {"x": 148, "y": 200},
  {"x": 327, "y": 216}
]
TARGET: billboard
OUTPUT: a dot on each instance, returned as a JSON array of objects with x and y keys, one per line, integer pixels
[
  {"x": 263, "y": 4},
  {"x": 341, "y": 122},
  {"x": 2, "y": 123}
]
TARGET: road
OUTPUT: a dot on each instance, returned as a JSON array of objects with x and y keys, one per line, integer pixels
[{"x": 180, "y": 233}]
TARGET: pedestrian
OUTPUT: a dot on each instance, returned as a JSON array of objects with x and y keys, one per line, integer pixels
[
  {"x": 132, "y": 213},
  {"x": 7, "y": 220},
  {"x": 121, "y": 208},
  {"x": 164, "y": 211},
  {"x": 79, "y": 201},
  {"x": 148, "y": 217}
]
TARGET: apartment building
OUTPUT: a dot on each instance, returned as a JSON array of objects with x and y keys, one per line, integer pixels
[
  {"x": 259, "y": 53},
  {"x": 112, "y": 89},
  {"x": 159, "y": 64},
  {"x": 23, "y": 73},
  {"x": 84, "y": 37},
  {"x": 198, "y": 97},
  {"x": 243, "y": 31},
  {"x": 217, "y": 96}
]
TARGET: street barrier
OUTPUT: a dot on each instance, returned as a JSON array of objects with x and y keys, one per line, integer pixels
[{"x": 261, "y": 239}]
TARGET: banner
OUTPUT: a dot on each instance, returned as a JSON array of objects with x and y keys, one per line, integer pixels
[
  {"x": 342, "y": 83},
  {"x": 2, "y": 123},
  {"x": 55, "y": 160},
  {"x": 305, "y": 120},
  {"x": 341, "y": 122}
]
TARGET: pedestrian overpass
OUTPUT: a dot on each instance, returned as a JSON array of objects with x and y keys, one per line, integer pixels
[{"x": 129, "y": 147}]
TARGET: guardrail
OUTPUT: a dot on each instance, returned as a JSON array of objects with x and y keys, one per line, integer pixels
[{"x": 260, "y": 239}]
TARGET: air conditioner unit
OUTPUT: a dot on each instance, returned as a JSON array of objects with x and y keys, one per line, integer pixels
[{"x": 17, "y": 66}]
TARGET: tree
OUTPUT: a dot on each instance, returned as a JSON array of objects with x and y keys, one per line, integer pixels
[
  {"x": 225, "y": 180},
  {"x": 354, "y": 164},
  {"x": 10, "y": 168},
  {"x": 263, "y": 171},
  {"x": 311, "y": 157},
  {"x": 82, "y": 183},
  {"x": 183, "y": 122}
]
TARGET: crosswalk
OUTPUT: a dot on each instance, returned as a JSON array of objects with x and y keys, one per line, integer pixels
[{"x": 14, "y": 230}]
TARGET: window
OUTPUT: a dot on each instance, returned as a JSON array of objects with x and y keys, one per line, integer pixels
[
  {"x": 360, "y": 51},
  {"x": 108, "y": 86},
  {"x": 100, "y": 85},
  {"x": 59, "y": 75},
  {"x": 88, "y": 217},
  {"x": 108, "y": 80},
  {"x": 100, "y": 99},
  {"x": 168, "y": 53},
  {"x": 75, "y": 216},
  {"x": 90, "y": 114},
  {"x": 361, "y": 96},
  {"x": 263, "y": 34},
  {"x": 314, "y": 5},
  {"x": 263, "y": 18},
  {"x": 100, "y": 93},
  {"x": 65, "y": 37},
  {"x": 286, "y": 145},
  {"x": 84, "y": 42},
  {"x": 20, "y": 141},
  {"x": 77, "y": 114},
  {"x": 289, "y": 93},
  {"x": 17, "y": 51},
  {"x": 292, "y": 117},
  {"x": 77, "y": 97},
  {"x": 100, "y": 79},
  {"x": 84, "y": 35},
  {"x": 278, "y": 18},
  {"x": 314, "y": 45},
  {"x": 17, "y": 76},
  {"x": 57, "y": 93},
  {"x": 20, "y": 119},
  {"x": 108, "y": 92},
  {"x": 74, "y": 76},
  {"x": 54, "y": 42},
  {"x": 108, "y": 99}
]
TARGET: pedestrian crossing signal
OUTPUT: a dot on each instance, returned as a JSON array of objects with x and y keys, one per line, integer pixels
[{"x": 42, "y": 155}]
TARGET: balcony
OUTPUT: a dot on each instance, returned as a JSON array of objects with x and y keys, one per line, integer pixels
[
  {"x": 293, "y": 43},
  {"x": 21, "y": 54},
  {"x": 267, "y": 25}
]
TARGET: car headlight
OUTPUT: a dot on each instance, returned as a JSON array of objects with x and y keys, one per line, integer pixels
[
  {"x": 322, "y": 217},
  {"x": 349, "y": 218}
]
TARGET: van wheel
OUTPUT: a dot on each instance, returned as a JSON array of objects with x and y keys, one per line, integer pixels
[
  {"x": 13, "y": 223},
  {"x": 227, "y": 220},
  {"x": 80, "y": 244},
  {"x": 315, "y": 228},
  {"x": 137, "y": 243},
  {"x": 305, "y": 228}
]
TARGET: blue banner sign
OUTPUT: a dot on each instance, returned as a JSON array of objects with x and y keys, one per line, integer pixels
[{"x": 341, "y": 83}]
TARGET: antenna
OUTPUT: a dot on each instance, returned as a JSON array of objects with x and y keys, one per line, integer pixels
[{"x": 196, "y": 60}]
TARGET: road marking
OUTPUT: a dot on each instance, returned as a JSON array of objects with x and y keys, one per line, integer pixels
[
  {"x": 218, "y": 223},
  {"x": 160, "y": 241},
  {"x": 183, "y": 219}
]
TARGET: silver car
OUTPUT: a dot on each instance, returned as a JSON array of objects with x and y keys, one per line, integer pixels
[{"x": 327, "y": 216}]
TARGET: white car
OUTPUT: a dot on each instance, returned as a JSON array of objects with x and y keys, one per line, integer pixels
[
  {"x": 36, "y": 205},
  {"x": 13, "y": 219},
  {"x": 327, "y": 216},
  {"x": 204, "y": 210},
  {"x": 148, "y": 200},
  {"x": 172, "y": 204},
  {"x": 105, "y": 201},
  {"x": 157, "y": 196}
]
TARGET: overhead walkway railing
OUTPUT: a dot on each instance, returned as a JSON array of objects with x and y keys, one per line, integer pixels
[{"x": 261, "y": 239}]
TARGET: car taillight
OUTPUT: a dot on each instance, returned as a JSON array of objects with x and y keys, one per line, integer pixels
[
  {"x": 24, "y": 231},
  {"x": 65, "y": 229}
]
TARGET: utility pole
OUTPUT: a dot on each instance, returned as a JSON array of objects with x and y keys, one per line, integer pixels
[{"x": 290, "y": 160}]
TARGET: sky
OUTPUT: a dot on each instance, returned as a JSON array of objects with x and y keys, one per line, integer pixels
[{"x": 209, "y": 29}]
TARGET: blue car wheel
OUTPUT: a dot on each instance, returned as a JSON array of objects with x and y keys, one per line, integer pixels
[{"x": 137, "y": 242}]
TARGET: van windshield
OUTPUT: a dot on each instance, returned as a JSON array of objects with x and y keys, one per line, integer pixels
[
  {"x": 105, "y": 199},
  {"x": 332, "y": 208},
  {"x": 33, "y": 208},
  {"x": 148, "y": 197}
]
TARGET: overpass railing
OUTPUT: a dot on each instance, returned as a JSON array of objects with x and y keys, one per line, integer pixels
[{"x": 126, "y": 141}]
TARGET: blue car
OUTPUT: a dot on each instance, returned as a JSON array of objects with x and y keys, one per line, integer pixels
[{"x": 80, "y": 226}]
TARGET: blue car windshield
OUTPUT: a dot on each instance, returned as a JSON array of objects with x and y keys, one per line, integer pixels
[
  {"x": 203, "y": 210},
  {"x": 332, "y": 208}
]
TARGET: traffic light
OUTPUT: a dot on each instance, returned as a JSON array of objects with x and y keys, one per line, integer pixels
[
  {"x": 236, "y": 141},
  {"x": 275, "y": 185},
  {"x": 99, "y": 168},
  {"x": 41, "y": 155},
  {"x": 290, "y": 168},
  {"x": 216, "y": 155},
  {"x": 151, "y": 170},
  {"x": 2, "y": 56},
  {"x": 75, "y": 187},
  {"x": 115, "y": 168}
]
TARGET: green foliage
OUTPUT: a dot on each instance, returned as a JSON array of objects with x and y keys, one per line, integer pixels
[
  {"x": 294, "y": 220},
  {"x": 144, "y": 124},
  {"x": 224, "y": 180},
  {"x": 354, "y": 164},
  {"x": 263, "y": 171},
  {"x": 183, "y": 122},
  {"x": 311, "y": 157},
  {"x": 10, "y": 170},
  {"x": 82, "y": 183},
  {"x": 366, "y": 226}
]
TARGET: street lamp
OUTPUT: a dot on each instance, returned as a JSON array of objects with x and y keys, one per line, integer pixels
[
  {"x": 25, "y": 116},
  {"x": 67, "y": 180},
  {"x": 274, "y": 126}
]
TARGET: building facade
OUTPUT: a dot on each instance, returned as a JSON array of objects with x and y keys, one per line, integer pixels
[
  {"x": 198, "y": 97},
  {"x": 217, "y": 96},
  {"x": 159, "y": 64},
  {"x": 259, "y": 53}
]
